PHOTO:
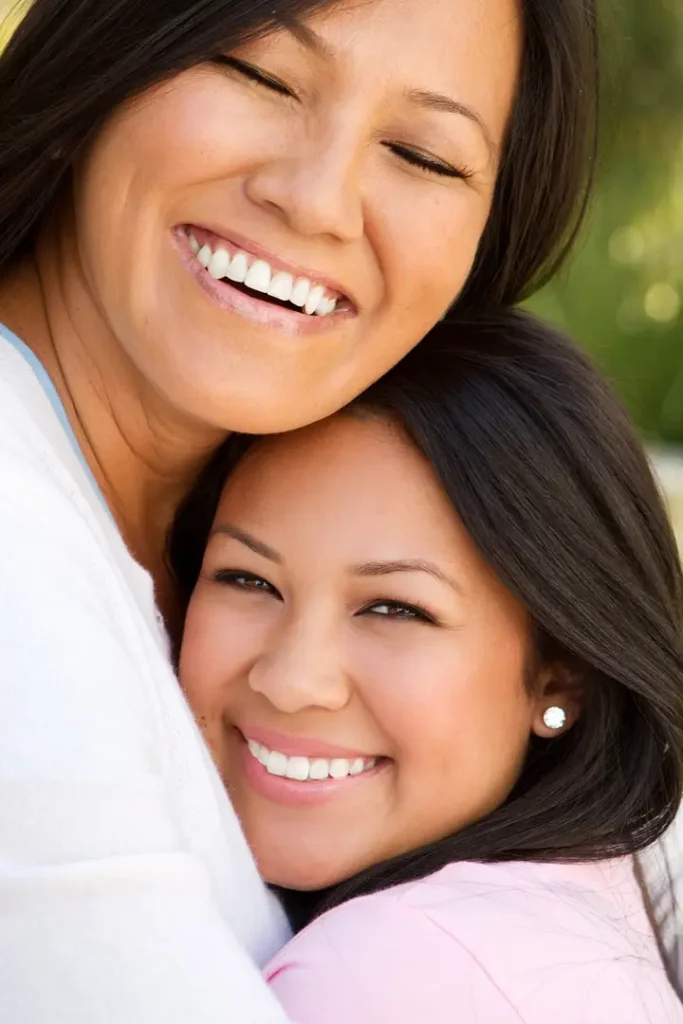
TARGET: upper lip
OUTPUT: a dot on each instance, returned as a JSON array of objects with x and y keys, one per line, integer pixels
[
  {"x": 276, "y": 262},
  {"x": 292, "y": 746}
]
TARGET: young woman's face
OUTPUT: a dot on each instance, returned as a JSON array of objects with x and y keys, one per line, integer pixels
[
  {"x": 358, "y": 153},
  {"x": 359, "y": 673}
]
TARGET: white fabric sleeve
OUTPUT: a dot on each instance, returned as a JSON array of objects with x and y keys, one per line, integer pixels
[{"x": 104, "y": 917}]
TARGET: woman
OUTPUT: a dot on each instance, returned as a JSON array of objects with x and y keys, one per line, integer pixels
[
  {"x": 435, "y": 647},
  {"x": 215, "y": 215}
]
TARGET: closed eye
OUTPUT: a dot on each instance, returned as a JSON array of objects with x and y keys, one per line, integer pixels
[
  {"x": 399, "y": 610},
  {"x": 247, "y": 581},
  {"x": 255, "y": 74},
  {"x": 428, "y": 163}
]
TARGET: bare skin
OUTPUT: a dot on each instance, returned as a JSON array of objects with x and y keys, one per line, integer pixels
[
  {"x": 344, "y": 614},
  {"x": 144, "y": 461},
  {"x": 343, "y": 166}
]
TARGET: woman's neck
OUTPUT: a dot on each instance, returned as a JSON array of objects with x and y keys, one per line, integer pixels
[{"x": 144, "y": 454}]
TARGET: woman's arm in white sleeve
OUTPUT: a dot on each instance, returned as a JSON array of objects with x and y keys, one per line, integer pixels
[{"x": 104, "y": 917}]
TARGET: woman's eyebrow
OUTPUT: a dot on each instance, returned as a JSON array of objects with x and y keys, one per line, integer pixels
[
  {"x": 249, "y": 541},
  {"x": 420, "y": 97},
  {"x": 405, "y": 565},
  {"x": 446, "y": 104},
  {"x": 309, "y": 38}
]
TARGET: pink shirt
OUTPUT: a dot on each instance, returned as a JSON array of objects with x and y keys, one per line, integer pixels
[{"x": 483, "y": 944}]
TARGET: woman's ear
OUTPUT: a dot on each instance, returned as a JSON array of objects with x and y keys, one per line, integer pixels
[{"x": 559, "y": 700}]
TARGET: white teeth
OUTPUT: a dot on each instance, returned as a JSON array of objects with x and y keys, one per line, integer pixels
[
  {"x": 300, "y": 291},
  {"x": 304, "y": 769},
  {"x": 339, "y": 767},
  {"x": 281, "y": 286},
  {"x": 325, "y": 306},
  {"x": 219, "y": 263},
  {"x": 204, "y": 255},
  {"x": 237, "y": 271},
  {"x": 261, "y": 278},
  {"x": 314, "y": 296},
  {"x": 298, "y": 768},
  {"x": 263, "y": 756},
  {"x": 319, "y": 770},
  {"x": 277, "y": 763},
  {"x": 258, "y": 276}
]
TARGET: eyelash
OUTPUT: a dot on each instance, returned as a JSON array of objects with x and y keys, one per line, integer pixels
[
  {"x": 425, "y": 163},
  {"x": 235, "y": 578},
  {"x": 416, "y": 612},
  {"x": 239, "y": 580},
  {"x": 253, "y": 73},
  {"x": 410, "y": 156}
]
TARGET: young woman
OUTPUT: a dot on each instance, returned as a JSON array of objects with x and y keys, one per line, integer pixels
[
  {"x": 434, "y": 643},
  {"x": 215, "y": 215}
]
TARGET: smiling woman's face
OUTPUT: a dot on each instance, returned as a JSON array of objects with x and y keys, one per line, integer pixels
[
  {"x": 360, "y": 674},
  {"x": 357, "y": 154}
]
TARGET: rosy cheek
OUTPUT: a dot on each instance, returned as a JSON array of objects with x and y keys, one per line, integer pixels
[
  {"x": 442, "y": 275},
  {"x": 200, "y": 653}
]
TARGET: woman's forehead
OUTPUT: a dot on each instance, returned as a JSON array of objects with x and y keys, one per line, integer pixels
[
  {"x": 420, "y": 48},
  {"x": 352, "y": 490}
]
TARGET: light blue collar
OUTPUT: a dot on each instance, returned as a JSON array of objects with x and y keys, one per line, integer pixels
[{"x": 55, "y": 401}]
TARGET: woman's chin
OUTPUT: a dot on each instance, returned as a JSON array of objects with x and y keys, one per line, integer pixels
[
  {"x": 301, "y": 880},
  {"x": 302, "y": 874}
]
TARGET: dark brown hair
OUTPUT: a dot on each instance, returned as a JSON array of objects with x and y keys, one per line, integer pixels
[
  {"x": 550, "y": 480},
  {"x": 72, "y": 62}
]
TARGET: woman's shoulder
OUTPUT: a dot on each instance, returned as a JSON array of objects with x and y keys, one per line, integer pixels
[
  {"x": 68, "y": 582},
  {"x": 30, "y": 425},
  {"x": 600, "y": 897},
  {"x": 46, "y": 487},
  {"x": 42, "y": 476},
  {"x": 495, "y": 942}
]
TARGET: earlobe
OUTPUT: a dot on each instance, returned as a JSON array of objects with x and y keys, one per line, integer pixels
[
  {"x": 555, "y": 718},
  {"x": 558, "y": 706}
]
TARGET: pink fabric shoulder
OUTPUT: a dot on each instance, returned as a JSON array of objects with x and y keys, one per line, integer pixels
[{"x": 483, "y": 944}]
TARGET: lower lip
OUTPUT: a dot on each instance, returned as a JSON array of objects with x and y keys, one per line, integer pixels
[
  {"x": 300, "y": 794},
  {"x": 258, "y": 311}
]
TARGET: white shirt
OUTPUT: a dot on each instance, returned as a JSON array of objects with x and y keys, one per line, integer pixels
[{"x": 128, "y": 894}]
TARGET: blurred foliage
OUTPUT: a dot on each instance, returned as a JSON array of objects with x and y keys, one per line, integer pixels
[{"x": 622, "y": 294}]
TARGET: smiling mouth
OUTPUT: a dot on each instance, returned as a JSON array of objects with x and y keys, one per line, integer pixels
[
  {"x": 309, "y": 769},
  {"x": 255, "y": 277}
]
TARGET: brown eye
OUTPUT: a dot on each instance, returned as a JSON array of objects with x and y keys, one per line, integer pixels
[
  {"x": 399, "y": 610},
  {"x": 245, "y": 581}
]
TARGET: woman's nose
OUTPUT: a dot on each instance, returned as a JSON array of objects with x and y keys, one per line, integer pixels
[
  {"x": 301, "y": 668},
  {"x": 315, "y": 189}
]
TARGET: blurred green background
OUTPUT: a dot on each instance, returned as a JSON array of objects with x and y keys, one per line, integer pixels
[{"x": 622, "y": 293}]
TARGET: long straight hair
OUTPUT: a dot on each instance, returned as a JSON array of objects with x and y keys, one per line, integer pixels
[
  {"x": 71, "y": 63},
  {"x": 552, "y": 484}
]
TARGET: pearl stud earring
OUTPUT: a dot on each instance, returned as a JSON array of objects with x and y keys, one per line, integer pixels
[{"x": 554, "y": 718}]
